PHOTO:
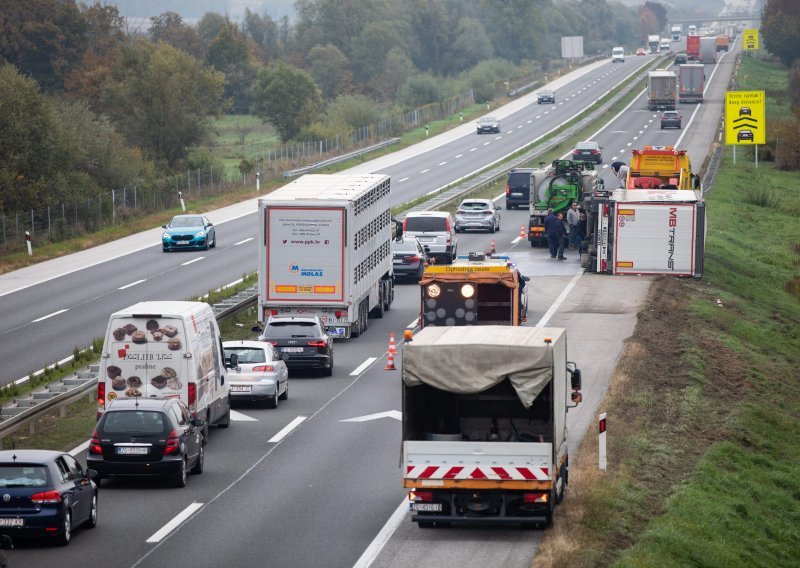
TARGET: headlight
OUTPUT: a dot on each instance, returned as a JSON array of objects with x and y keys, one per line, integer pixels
[
  {"x": 200, "y": 233},
  {"x": 166, "y": 236}
]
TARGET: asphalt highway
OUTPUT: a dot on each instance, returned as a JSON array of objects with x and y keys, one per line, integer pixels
[{"x": 316, "y": 482}]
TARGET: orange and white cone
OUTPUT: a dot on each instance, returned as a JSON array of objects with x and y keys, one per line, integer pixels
[
  {"x": 392, "y": 348},
  {"x": 493, "y": 250},
  {"x": 390, "y": 363},
  {"x": 522, "y": 232}
]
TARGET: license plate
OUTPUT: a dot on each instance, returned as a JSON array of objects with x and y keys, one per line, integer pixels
[
  {"x": 336, "y": 331},
  {"x": 516, "y": 194},
  {"x": 133, "y": 451},
  {"x": 427, "y": 239},
  {"x": 474, "y": 224},
  {"x": 292, "y": 349},
  {"x": 12, "y": 522},
  {"x": 398, "y": 261},
  {"x": 240, "y": 388},
  {"x": 428, "y": 507}
]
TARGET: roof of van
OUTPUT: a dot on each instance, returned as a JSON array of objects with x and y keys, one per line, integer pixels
[
  {"x": 329, "y": 187},
  {"x": 175, "y": 308}
]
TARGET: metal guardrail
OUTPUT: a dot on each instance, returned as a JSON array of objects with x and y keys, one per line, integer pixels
[
  {"x": 24, "y": 410},
  {"x": 342, "y": 158}
]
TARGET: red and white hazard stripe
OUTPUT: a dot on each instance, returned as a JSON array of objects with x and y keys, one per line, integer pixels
[{"x": 478, "y": 472}]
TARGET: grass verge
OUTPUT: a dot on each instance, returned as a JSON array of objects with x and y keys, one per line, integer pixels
[{"x": 704, "y": 429}]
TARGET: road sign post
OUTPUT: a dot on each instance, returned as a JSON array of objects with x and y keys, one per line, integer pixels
[
  {"x": 602, "y": 442},
  {"x": 750, "y": 39},
  {"x": 745, "y": 120},
  {"x": 28, "y": 242}
]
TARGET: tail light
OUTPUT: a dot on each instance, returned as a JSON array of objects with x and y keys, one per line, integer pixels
[
  {"x": 173, "y": 443},
  {"x": 413, "y": 258},
  {"x": 46, "y": 497},
  {"x": 486, "y": 212},
  {"x": 101, "y": 398},
  {"x": 338, "y": 314},
  {"x": 421, "y": 496},
  {"x": 319, "y": 343},
  {"x": 447, "y": 228},
  {"x": 508, "y": 188},
  {"x": 460, "y": 212},
  {"x": 264, "y": 369},
  {"x": 404, "y": 225},
  {"x": 575, "y": 152},
  {"x": 534, "y": 497},
  {"x": 275, "y": 343},
  {"x": 193, "y": 397},
  {"x": 273, "y": 312},
  {"x": 595, "y": 151},
  {"x": 94, "y": 444}
]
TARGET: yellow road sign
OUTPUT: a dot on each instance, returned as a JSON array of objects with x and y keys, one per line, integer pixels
[
  {"x": 750, "y": 39},
  {"x": 745, "y": 123},
  {"x": 453, "y": 268}
]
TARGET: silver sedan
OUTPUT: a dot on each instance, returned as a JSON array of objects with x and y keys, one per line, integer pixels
[
  {"x": 258, "y": 374},
  {"x": 481, "y": 214}
]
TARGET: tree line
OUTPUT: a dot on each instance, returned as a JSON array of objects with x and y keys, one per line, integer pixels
[{"x": 87, "y": 104}]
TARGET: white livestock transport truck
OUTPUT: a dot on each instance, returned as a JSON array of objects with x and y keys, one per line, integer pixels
[{"x": 325, "y": 249}]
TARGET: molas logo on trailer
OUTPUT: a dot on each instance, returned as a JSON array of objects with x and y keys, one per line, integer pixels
[{"x": 673, "y": 223}]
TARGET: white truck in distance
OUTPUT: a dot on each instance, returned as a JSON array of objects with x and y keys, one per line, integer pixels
[
  {"x": 654, "y": 43},
  {"x": 325, "y": 249},
  {"x": 676, "y": 32},
  {"x": 485, "y": 423}
]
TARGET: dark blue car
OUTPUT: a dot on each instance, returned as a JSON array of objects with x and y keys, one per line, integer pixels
[
  {"x": 188, "y": 232},
  {"x": 45, "y": 494}
]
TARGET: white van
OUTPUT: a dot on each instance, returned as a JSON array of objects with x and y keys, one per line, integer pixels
[
  {"x": 617, "y": 54},
  {"x": 167, "y": 349}
]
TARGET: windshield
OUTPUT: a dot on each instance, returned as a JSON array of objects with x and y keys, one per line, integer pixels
[
  {"x": 23, "y": 475},
  {"x": 408, "y": 245},
  {"x": 186, "y": 222},
  {"x": 487, "y": 120},
  {"x": 142, "y": 422},
  {"x": 247, "y": 354},
  {"x": 474, "y": 206},
  {"x": 586, "y": 146},
  {"x": 425, "y": 224},
  {"x": 279, "y": 329}
]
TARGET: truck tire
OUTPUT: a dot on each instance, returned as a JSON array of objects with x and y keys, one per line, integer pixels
[{"x": 226, "y": 419}]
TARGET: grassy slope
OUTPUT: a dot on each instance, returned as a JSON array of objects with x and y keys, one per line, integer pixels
[{"x": 704, "y": 436}]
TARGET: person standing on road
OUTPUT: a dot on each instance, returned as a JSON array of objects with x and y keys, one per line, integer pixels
[
  {"x": 551, "y": 224},
  {"x": 620, "y": 170},
  {"x": 573, "y": 218},
  {"x": 563, "y": 235},
  {"x": 581, "y": 228}
]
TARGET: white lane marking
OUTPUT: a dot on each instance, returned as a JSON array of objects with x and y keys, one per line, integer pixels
[
  {"x": 529, "y": 122},
  {"x": 287, "y": 430},
  {"x": 635, "y": 137},
  {"x": 442, "y": 163},
  {"x": 371, "y": 553},
  {"x": 628, "y": 144},
  {"x": 560, "y": 300},
  {"x": 396, "y": 414},
  {"x": 486, "y": 143},
  {"x": 239, "y": 417},
  {"x": 404, "y": 179},
  {"x": 192, "y": 261},
  {"x": 413, "y": 324},
  {"x": 515, "y": 241},
  {"x": 131, "y": 284},
  {"x": 63, "y": 361},
  {"x": 425, "y": 171},
  {"x": 50, "y": 315},
  {"x": 78, "y": 449},
  {"x": 244, "y": 241},
  {"x": 360, "y": 369},
  {"x": 518, "y": 127},
  {"x": 540, "y": 116},
  {"x": 173, "y": 524},
  {"x": 221, "y": 288},
  {"x": 458, "y": 156},
  {"x": 472, "y": 149}
]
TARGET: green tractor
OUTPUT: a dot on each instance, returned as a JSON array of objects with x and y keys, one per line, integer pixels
[{"x": 556, "y": 187}]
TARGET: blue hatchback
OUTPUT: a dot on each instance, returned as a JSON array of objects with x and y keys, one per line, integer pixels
[
  {"x": 188, "y": 232},
  {"x": 45, "y": 494}
]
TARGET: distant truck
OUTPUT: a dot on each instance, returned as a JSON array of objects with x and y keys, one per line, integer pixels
[
  {"x": 654, "y": 43},
  {"x": 691, "y": 82},
  {"x": 692, "y": 30},
  {"x": 693, "y": 47},
  {"x": 708, "y": 49},
  {"x": 676, "y": 31},
  {"x": 661, "y": 90},
  {"x": 664, "y": 44},
  {"x": 473, "y": 290},
  {"x": 325, "y": 249},
  {"x": 484, "y": 424},
  {"x": 723, "y": 42}
]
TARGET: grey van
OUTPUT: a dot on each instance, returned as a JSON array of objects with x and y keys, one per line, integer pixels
[
  {"x": 518, "y": 188},
  {"x": 434, "y": 230}
]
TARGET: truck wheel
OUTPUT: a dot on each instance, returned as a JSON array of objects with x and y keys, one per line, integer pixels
[
  {"x": 377, "y": 311},
  {"x": 226, "y": 420}
]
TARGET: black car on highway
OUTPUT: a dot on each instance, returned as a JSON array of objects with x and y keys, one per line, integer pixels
[
  {"x": 671, "y": 119},
  {"x": 588, "y": 150},
  {"x": 488, "y": 124},
  {"x": 147, "y": 437},
  {"x": 408, "y": 258},
  {"x": 302, "y": 342},
  {"x": 546, "y": 96},
  {"x": 45, "y": 494}
]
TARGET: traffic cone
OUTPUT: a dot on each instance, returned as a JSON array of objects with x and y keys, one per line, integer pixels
[
  {"x": 493, "y": 250},
  {"x": 392, "y": 348},
  {"x": 390, "y": 363},
  {"x": 522, "y": 232}
]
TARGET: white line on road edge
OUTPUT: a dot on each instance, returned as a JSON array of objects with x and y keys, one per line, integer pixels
[
  {"x": 413, "y": 324},
  {"x": 50, "y": 315},
  {"x": 63, "y": 361},
  {"x": 515, "y": 241},
  {"x": 377, "y": 544},
  {"x": 239, "y": 417},
  {"x": 78, "y": 449},
  {"x": 131, "y": 284},
  {"x": 177, "y": 520},
  {"x": 192, "y": 261},
  {"x": 242, "y": 242},
  {"x": 560, "y": 300},
  {"x": 360, "y": 369},
  {"x": 287, "y": 430}
]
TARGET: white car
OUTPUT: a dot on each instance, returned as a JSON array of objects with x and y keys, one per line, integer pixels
[{"x": 256, "y": 372}]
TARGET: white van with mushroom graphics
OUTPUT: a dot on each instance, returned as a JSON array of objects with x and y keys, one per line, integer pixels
[{"x": 169, "y": 349}]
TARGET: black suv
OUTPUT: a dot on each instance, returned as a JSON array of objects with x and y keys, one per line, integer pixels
[
  {"x": 301, "y": 341},
  {"x": 680, "y": 59},
  {"x": 546, "y": 96},
  {"x": 518, "y": 188},
  {"x": 147, "y": 437}
]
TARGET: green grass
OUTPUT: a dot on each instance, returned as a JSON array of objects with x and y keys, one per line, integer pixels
[
  {"x": 56, "y": 432},
  {"x": 758, "y": 74}
]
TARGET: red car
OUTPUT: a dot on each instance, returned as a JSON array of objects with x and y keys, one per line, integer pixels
[{"x": 641, "y": 51}]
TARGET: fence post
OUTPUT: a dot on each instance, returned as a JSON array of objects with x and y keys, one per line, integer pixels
[
  {"x": 211, "y": 176},
  {"x": 49, "y": 224},
  {"x": 113, "y": 207}
]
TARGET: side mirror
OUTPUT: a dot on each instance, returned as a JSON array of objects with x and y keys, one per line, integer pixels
[
  {"x": 427, "y": 250},
  {"x": 93, "y": 474},
  {"x": 498, "y": 207},
  {"x": 575, "y": 378},
  {"x": 528, "y": 279},
  {"x": 163, "y": 226},
  {"x": 197, "y": 422},
  {"x": 232, "y": 361},
  {"x": 256, "y": 329},
  {"x": 576, "y": 397}
]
